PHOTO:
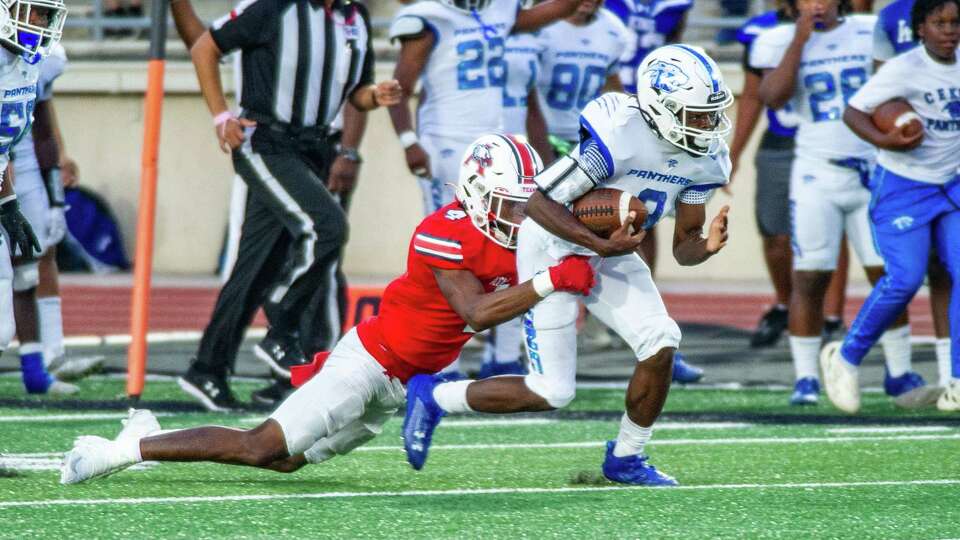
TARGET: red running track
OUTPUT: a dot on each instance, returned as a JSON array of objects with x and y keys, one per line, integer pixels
[{"x": 106, "y": 310}]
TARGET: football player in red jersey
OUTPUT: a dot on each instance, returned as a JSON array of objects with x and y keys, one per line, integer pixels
[{"x": 461, "y": 278}]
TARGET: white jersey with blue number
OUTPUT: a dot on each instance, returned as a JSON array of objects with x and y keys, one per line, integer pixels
[
  {"x": 633, "y": 158},
  {"x": 933, "y": 90},
  {"x": 833, "y": 66},
  {"x": 25, "y": 164},
  {"x": 522, "y": 56},
  {"x": 18, "y": 96},
  {"x": 576, "y": 63},
  {"x": 465, "y": 74}
]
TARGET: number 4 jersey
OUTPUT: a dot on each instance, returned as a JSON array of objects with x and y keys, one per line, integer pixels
[
  {"x": 18, "y": 84},
  {"x": 464, "y": 77},
  {"x": 833, "y": 66}
]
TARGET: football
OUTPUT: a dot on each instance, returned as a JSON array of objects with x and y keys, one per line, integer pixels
[
  {"x": 604, "y": 210},
  {"x": 895, "y": 113}
]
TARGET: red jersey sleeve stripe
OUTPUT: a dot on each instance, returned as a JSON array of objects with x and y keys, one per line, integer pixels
[
  {"x": 456, "y": 257},
  {"x": 434, "y": 241}
]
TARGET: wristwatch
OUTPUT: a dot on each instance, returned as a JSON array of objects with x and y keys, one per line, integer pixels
[{"x": 350, "y": 154}]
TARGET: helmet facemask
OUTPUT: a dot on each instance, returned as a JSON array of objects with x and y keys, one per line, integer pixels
[
  {"x": 32, "y": 27},
  {"x": 699, "y": 129}
]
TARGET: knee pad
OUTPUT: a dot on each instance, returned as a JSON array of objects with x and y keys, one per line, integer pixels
[
  {"x": 662, "y": 331},
  {"x": 26, "y": 276}
]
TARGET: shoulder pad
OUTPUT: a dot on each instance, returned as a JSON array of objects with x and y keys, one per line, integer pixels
[{"x": 407, "y": 26}]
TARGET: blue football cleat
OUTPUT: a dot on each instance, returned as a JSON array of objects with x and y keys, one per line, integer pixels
[
  {"x": 806, "y": 392},
  {"x": 910, "y": 391},
  {"x": 895, "y": 386},
  {"x": 423, "y": 416},
  {"x": 683, "y": 372},
  {"x": 493, "y": 369},
  {"x": 633, "y": 470}
]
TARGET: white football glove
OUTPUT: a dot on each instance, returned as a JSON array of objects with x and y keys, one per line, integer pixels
[{"x": 56, "y": 225}]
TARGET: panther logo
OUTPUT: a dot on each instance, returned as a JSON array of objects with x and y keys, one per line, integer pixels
[
  {"x": 953, "y": 109},
  {"x": 903, "y": 223},
  {"x": 481, "y": 156},
  {"x": 666, "y": 77}
]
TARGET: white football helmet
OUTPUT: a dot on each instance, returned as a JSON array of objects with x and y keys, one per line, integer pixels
[
  {"x": 468, "y": 6},
  {"x": 19, "y": 31},
  {"x": 682, "y": 95},
  {"x": 497, "y": 169}
]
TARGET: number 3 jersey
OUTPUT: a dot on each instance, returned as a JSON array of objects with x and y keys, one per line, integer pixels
[
  {"x": 416, "y": 330},
  {"x": 464, "y": 76},
  {"x": 833, "y": 66},
  {"x": 18, "y": 84},
  {"x": 576, "y": 62}
]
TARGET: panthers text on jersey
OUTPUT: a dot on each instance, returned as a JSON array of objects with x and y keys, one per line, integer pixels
[
  {"x": 652, "y": 21},
  {"x": 892, "y": 34},
  {"x": 522, "y": 58},
  {"x": 783, "y": 121},
  {"x": 576, "y": 62},
  {"x": 933, "y": 90},
  {"x": 25, "y": 163},
  {"x": 416, "y": 330},
  {"x": 464, "y": 77},
  {"x": 833, "y": 66},
  {"x": 18, "y": 84}
]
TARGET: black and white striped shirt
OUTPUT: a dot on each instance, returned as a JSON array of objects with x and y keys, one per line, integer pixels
[{"x": 300, "y": 60}]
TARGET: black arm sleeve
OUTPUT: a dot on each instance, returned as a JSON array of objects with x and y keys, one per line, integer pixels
[{"x": 254, "y": 25}]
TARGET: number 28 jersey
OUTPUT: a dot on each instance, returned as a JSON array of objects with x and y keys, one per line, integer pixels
[
  {"x": 416, "y": 330},
  {"x": 465, "y": 74},
  {"x": 833, "y": 66},
  {"x": 18, "y": 96}
]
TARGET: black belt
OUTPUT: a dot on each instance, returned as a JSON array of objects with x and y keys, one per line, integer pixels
[{"x": 302, "y": 133}]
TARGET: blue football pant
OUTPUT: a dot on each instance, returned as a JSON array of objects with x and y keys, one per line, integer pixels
[{"x": 905, "y": 256}]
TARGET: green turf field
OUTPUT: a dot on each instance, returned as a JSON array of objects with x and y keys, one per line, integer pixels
[{"x": 750, "y": 467}]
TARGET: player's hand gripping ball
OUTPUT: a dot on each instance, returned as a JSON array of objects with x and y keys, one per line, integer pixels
[
  {"x": 604, "y": 210},
  {"x": 900, "y": 122}
]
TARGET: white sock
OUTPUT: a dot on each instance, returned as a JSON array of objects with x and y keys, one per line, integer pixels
[
  {"x": 452, "y": 396},
  {"x": 896, "y": 349},
  {"x": 130, "y": 448},
  {"x": 805, "y": 351},
  {"x": 632, "y": 438},
  {"x": 454, "y": 366},
  {"x": 51, "y": 325},
  {"x": 944, "y": 363}
]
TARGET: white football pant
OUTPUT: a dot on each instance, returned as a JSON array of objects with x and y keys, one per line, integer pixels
[
  {"x": 445, "y": 155},
  {"x": 825, "y": 202},
  {"x": 7, "y": 326},
  {"x": 625, "y": 299}
]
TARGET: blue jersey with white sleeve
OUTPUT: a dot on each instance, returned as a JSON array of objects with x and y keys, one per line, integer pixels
[
  {"x": 783, "y": 121},
  {"x": 621, "y": 151},
  {"x": 652, "y": 21},
  {"x": 893, "y": 35}
]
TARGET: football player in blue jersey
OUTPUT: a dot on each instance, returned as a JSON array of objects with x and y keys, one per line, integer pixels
[
  {"x": 29, "y": 30},
  {"x": 894, "y": 35},
  {"x": 773, "y": 161},
  {"x": 916, "y": 193}
]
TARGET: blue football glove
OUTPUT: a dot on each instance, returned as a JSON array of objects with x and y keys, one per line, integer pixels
[{"x": 19, "y": 230}]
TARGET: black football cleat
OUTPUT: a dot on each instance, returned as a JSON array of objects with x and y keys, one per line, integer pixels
[
  {"x": 280, "y": 353},
  {"x": 770, "y": 328},
  {"x": 271, "y": 396},
  {"x": 212, "y": 391}
]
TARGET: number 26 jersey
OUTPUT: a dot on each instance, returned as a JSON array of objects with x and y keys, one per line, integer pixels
[{"x": 833, "y": 66}]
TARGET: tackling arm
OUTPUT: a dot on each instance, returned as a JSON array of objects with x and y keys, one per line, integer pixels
[{"x": 689, "y": 246}]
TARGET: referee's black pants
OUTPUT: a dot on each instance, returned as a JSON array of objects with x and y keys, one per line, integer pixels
[{"x": 291, "y": 238}]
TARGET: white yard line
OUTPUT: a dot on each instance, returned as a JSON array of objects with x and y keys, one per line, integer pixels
[
  {"x": 71, "y": 417},
  {"x": 459, "y": 492},
  {"x": 890, "y": 429}
]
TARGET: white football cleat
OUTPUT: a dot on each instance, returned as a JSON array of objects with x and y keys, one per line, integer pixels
[
  {"x": 839, "y": 381},
  {"x": 93, "y": 457},
  {"x": 950, "y": 398},
  {"x": 70, "y": 368},
  {"x": 58, "y": 387},
  {"x": 139, "y": 423}
]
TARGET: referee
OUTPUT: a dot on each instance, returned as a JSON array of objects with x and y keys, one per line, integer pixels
[{"x": 302, "y": 60}]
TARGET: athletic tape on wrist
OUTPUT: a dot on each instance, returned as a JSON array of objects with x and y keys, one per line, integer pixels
[
  {"x": 543, "y": 284},
  {"x": 408, "y": 138},
  {"x": 222, "y": 118}
]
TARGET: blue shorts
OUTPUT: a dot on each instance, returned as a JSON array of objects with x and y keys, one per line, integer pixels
[{"x": 899, "y": 204}]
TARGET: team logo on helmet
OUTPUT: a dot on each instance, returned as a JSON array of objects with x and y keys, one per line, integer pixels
[
  {"x": 481, "y": 156},
  {"x": 953, "y": 109},
  {"x": 666, "y": 77}
]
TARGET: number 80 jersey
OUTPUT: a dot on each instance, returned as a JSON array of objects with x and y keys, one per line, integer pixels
[
  {"x": 833, "y": 66},
  {"x": 464, "y": 76},
  {"x": 18, "y": 96}
]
